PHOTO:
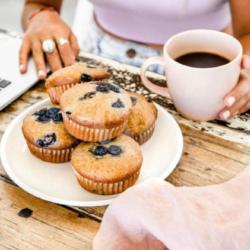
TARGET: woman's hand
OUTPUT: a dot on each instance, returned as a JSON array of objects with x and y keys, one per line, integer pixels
[
  {"x": 238, "y": 100},
  {"x": 47, "y": 25}
]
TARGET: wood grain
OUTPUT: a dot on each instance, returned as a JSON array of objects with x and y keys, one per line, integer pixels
[
  {"x": 205, "y": 163},
  {"x": 213, "y": 153},
  {"x": 208, "y": 158},
  {"x": 49, "y": 227}
]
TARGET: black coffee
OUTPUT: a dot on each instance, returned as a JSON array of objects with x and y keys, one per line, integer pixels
[{"x": 202, "y": 60}]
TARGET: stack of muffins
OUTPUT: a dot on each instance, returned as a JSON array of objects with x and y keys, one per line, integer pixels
[{"x": 97, "y": 126}]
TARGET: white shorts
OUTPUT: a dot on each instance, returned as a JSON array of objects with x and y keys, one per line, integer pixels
[{"x": 100, "y": 43}]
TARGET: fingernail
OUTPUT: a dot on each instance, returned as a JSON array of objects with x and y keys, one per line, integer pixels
[
  {"x": 41, "y": 74},
  {"x": 21, "y": 67},
  {"x": 247, "y": 62},
  {"x": 230, "y": 101},
  {"x": 225, "y": 115}
]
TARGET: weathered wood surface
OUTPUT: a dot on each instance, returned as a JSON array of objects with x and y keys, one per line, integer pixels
[
  {"x": 30, "y": 223},
  {"x": 237, "y": 130},
  {"x": 213, "y": 153}
]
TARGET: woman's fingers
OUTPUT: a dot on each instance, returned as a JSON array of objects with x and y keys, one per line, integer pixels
[
  {"x": 237, "y": 99},
  {"x": 241, "y": 89},
  {"x": 54, "y": 60},
  {"x": 74, "y": 43},
  {"x": 65, "y": 50},
  {"x": 24, "y": 55},
  {"x": 237, "y": 108},
  {"x": 48, "y": 25},
  {"x": 246, "y": 62},
  {"x": 244, "y": 108},
  {"x": 64, "y": 54},
  {"x": 39, "y": 59}
]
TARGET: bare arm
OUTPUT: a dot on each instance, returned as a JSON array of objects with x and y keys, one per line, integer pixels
[
  {"x": 238, "y": 100},
  {"x": 46, "y": 24},
  {"x": 32, "y": 5},
  {"x": 241, "y": 22}
]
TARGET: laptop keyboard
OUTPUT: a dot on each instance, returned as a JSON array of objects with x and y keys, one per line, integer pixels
[{"x": 4, "y": 83}]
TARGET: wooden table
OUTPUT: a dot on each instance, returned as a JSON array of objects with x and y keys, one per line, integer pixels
[{"x": 213, "y": 153}]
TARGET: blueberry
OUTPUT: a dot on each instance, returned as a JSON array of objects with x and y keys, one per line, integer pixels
[
  {"x": 46, "y": 115},
  {"x": 25, "y": 213},
  {"x": 114, "y": 150},
  {"x": 100, "y": 151},
  {"x": 88, "y": 95},
  {"x": 102, "y": 88},
  {"x": 114, "y": 88},
  {"x": 43, "y": 118},
  {"x": 107, "y": 87},
  {"x": 41, "y": 112},
  {"x": 48, "y": 140},
  {"x": 133, "y": 100},
  {"x": 40, "y": 143},
  {"x": 53, "y": 111},
  {"x": 118, "y": 104},
  {"x": 85, "y": 77},
  {"x": 57, "y": 117}
]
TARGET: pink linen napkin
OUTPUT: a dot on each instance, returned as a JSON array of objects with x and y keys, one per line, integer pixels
[{"x": 156, "y": 215}]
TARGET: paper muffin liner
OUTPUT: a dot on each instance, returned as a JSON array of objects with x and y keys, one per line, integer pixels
[
  {"x": 51, "y": 155},
  {"x": 56, "y": 92},
  {"x": 143, "y": 136},
  {"x": 106, "y": 188},
  {"x": 92, "y": 134}
]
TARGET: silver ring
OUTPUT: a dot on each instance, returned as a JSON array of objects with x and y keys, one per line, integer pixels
[
  {"x": 48, "y": 46},
  {"x": 62, "y": 41}
]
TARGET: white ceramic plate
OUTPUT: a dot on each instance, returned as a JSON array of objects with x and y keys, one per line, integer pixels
[{"x": 57, "y": 183}]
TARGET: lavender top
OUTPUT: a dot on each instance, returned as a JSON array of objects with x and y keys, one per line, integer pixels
[{"x": 154, "y": 21}]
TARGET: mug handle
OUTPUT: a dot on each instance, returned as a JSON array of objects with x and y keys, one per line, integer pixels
[{"x": 151, "y": 86}]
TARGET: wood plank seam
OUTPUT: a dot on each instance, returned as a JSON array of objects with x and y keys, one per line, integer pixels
[{"x": 79, "y": 211}]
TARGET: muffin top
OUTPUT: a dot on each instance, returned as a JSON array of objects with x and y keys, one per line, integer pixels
[
  {"x": 108, "y": 161},
  {"x": 143, "y": 114},
  {"x": 76, "y": 73},
  {"x": 96, "y": 104},
  {"x": 44, "y": 128}
]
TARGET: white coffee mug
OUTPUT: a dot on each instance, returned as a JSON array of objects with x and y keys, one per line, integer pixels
[{"x": 197, "y": 92}]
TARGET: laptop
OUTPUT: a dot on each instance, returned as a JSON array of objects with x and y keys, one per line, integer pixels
[{"x": 12, "y": 83}]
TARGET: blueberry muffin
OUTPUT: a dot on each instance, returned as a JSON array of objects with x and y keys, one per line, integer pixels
[
  {"x": 141, "y": 120},
  {"x": 107, "y": 167},
  {"x": 67, "y": 77},
  {"x": 46, "y": 137},
  {"x": 95, "y": 111}
]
